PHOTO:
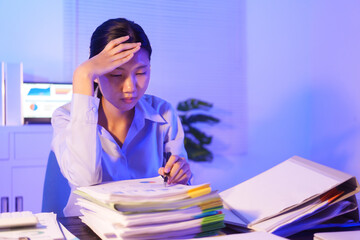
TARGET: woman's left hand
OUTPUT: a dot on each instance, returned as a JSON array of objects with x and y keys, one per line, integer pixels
[{"x": 177, "y": 169}]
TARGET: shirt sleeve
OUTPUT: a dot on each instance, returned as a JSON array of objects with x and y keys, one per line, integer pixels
[
  {"x": 174, "y": 139},
  {"x": 76, "y": 143}
]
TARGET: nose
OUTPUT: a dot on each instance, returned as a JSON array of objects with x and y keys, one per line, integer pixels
[{"x": 129, "y": 84}]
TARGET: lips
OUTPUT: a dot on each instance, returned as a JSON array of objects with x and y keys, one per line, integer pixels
[{"x": 128, "y": 99}]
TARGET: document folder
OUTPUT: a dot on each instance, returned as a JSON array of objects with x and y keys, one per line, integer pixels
[{"x": 294, "y": 195}]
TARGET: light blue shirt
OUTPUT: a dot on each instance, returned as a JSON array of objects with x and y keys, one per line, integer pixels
[{"x": 87, "y": 153}]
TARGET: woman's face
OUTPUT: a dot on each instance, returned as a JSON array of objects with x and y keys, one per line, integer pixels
[{"x": 124, "y": 86}]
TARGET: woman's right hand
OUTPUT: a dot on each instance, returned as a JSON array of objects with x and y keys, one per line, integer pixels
[{"x": 115, "y": 54}]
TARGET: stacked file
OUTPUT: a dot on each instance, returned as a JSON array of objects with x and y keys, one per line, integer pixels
[{"x": 146, "y": 209}]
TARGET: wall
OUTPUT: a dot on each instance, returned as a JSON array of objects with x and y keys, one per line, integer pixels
[
  {"x": 278, "y": 80},
  {"x": 32, "y": 33},
  {"x": 278, "y": 97},
  {"x": 335, "y": 47},
  {"x": 303, "y": 74},
  {"x": 302, "y": 78}
]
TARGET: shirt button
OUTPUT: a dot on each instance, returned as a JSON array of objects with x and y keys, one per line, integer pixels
[{"x": 94, "y": 109}]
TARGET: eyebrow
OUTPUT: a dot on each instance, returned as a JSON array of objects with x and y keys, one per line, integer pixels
[{"x": 141, "y": 66}]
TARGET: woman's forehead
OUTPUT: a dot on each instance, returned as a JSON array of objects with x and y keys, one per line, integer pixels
[
  {"x": 140, "y": 59},
  {"x": 142, "y": 56}
]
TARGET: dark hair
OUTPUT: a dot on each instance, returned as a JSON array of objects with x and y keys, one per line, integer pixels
[{"x": 115, "y": 28}]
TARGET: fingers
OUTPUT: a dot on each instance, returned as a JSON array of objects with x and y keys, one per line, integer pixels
[
  {"x": 161, "y": 171},
  {"x": 111, "y": 61},
  {"x": 170, "y": 163},
  {"x": 180, "y": 173},
  {"x": 124, "y": 56},
  {"x": 177, "y": 169},
  {"x": 125, "y": 47},
  {"x": 117, "y": 45},
  {"x": 113, "y": 43},
  {"x": 113, "y": 55},
  {"x": 122, "y": 53}
]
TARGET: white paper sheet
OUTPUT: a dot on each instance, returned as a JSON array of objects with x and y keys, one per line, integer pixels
[
  {"x": 344, "y": 235},
  {"x": 128, "y": 220},
  {"x": 49, "y": 229},
  {"x": 102, "y": 227},
  {"x": 68, "y": 235},
  {"x": 140, "y": 190},
  {"x": 244, "y": 236},
  {"x": 287, "y": 184}
]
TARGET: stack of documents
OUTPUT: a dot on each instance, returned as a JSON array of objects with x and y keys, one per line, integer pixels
[
  {"x": 47, "y": 228},
  {"x": 295, "y": 195},
  {"x": 146, "y": 209}
]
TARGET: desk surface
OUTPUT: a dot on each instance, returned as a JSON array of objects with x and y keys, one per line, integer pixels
[{"x": 80, "y": 230}]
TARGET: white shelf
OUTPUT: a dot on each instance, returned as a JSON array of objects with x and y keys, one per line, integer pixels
[{"x": 23, "y": 158}]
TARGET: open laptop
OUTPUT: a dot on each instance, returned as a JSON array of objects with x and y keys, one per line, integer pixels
[{"x": 41, "y": 99}]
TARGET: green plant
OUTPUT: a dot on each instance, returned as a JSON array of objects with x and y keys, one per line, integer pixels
[{"x": 195, "y": 139}]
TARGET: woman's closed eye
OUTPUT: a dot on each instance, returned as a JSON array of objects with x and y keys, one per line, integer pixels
[
  {"x": 116, "y": 75},
  {"x": 141, "y": 73}
]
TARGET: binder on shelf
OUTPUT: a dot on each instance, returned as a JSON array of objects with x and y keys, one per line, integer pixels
[
  {"x": 13, "y": 96},
  {"x": 295, "y": 195}
]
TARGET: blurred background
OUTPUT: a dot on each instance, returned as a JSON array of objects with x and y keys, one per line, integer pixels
[{"x": 283, "y": 75}]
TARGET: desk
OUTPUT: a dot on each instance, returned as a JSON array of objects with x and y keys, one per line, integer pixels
[
  {"x": 80, "y": 230},
  {"x": 306, "y": 234}
]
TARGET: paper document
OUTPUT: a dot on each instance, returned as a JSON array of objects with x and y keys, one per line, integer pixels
[
  {"x": 128, "y": 220},
  {"x": 244, "y": 236},
  {"x": 144, "y": 209},
  {"x": 151, "y": 231},
  {"x": 68, "y": 235},
  {"x": 47, "y": 230},
  {"x": 344, "y": 235},
  {"x": 144, "y": 190},
  {"x": 148, "y": 194},
  {"x": 293, "y": 193}
]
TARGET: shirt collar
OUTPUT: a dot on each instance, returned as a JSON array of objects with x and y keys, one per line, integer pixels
[
  {"x": 144, "y": 108},
  {"x": 148, "y": 111}
]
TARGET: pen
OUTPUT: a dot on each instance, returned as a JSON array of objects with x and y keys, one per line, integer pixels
[{"x": 167, "y": 155}]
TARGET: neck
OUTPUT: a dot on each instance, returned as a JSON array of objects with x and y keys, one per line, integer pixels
[{"x": 111, "y": 118}]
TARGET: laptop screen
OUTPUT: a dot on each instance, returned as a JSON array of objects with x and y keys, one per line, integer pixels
[{"x": 41, "y": 99}]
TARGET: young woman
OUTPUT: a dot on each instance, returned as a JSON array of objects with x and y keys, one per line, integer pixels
[{"x": 112, "y": 130}]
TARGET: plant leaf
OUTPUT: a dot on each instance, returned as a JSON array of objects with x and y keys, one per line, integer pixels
[
  {"x": 184, "y": 120},
  {"x": 201, "y": 118},
  {"x": 196, "y": 152},
  {"x": 199, "y": 135},
  {"x": 192, "y": 104}
]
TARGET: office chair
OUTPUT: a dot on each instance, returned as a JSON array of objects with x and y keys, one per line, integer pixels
[{"x": 56, "y": 188}]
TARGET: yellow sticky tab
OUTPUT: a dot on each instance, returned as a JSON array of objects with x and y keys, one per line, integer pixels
[{"x": 199, "y": 191}]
